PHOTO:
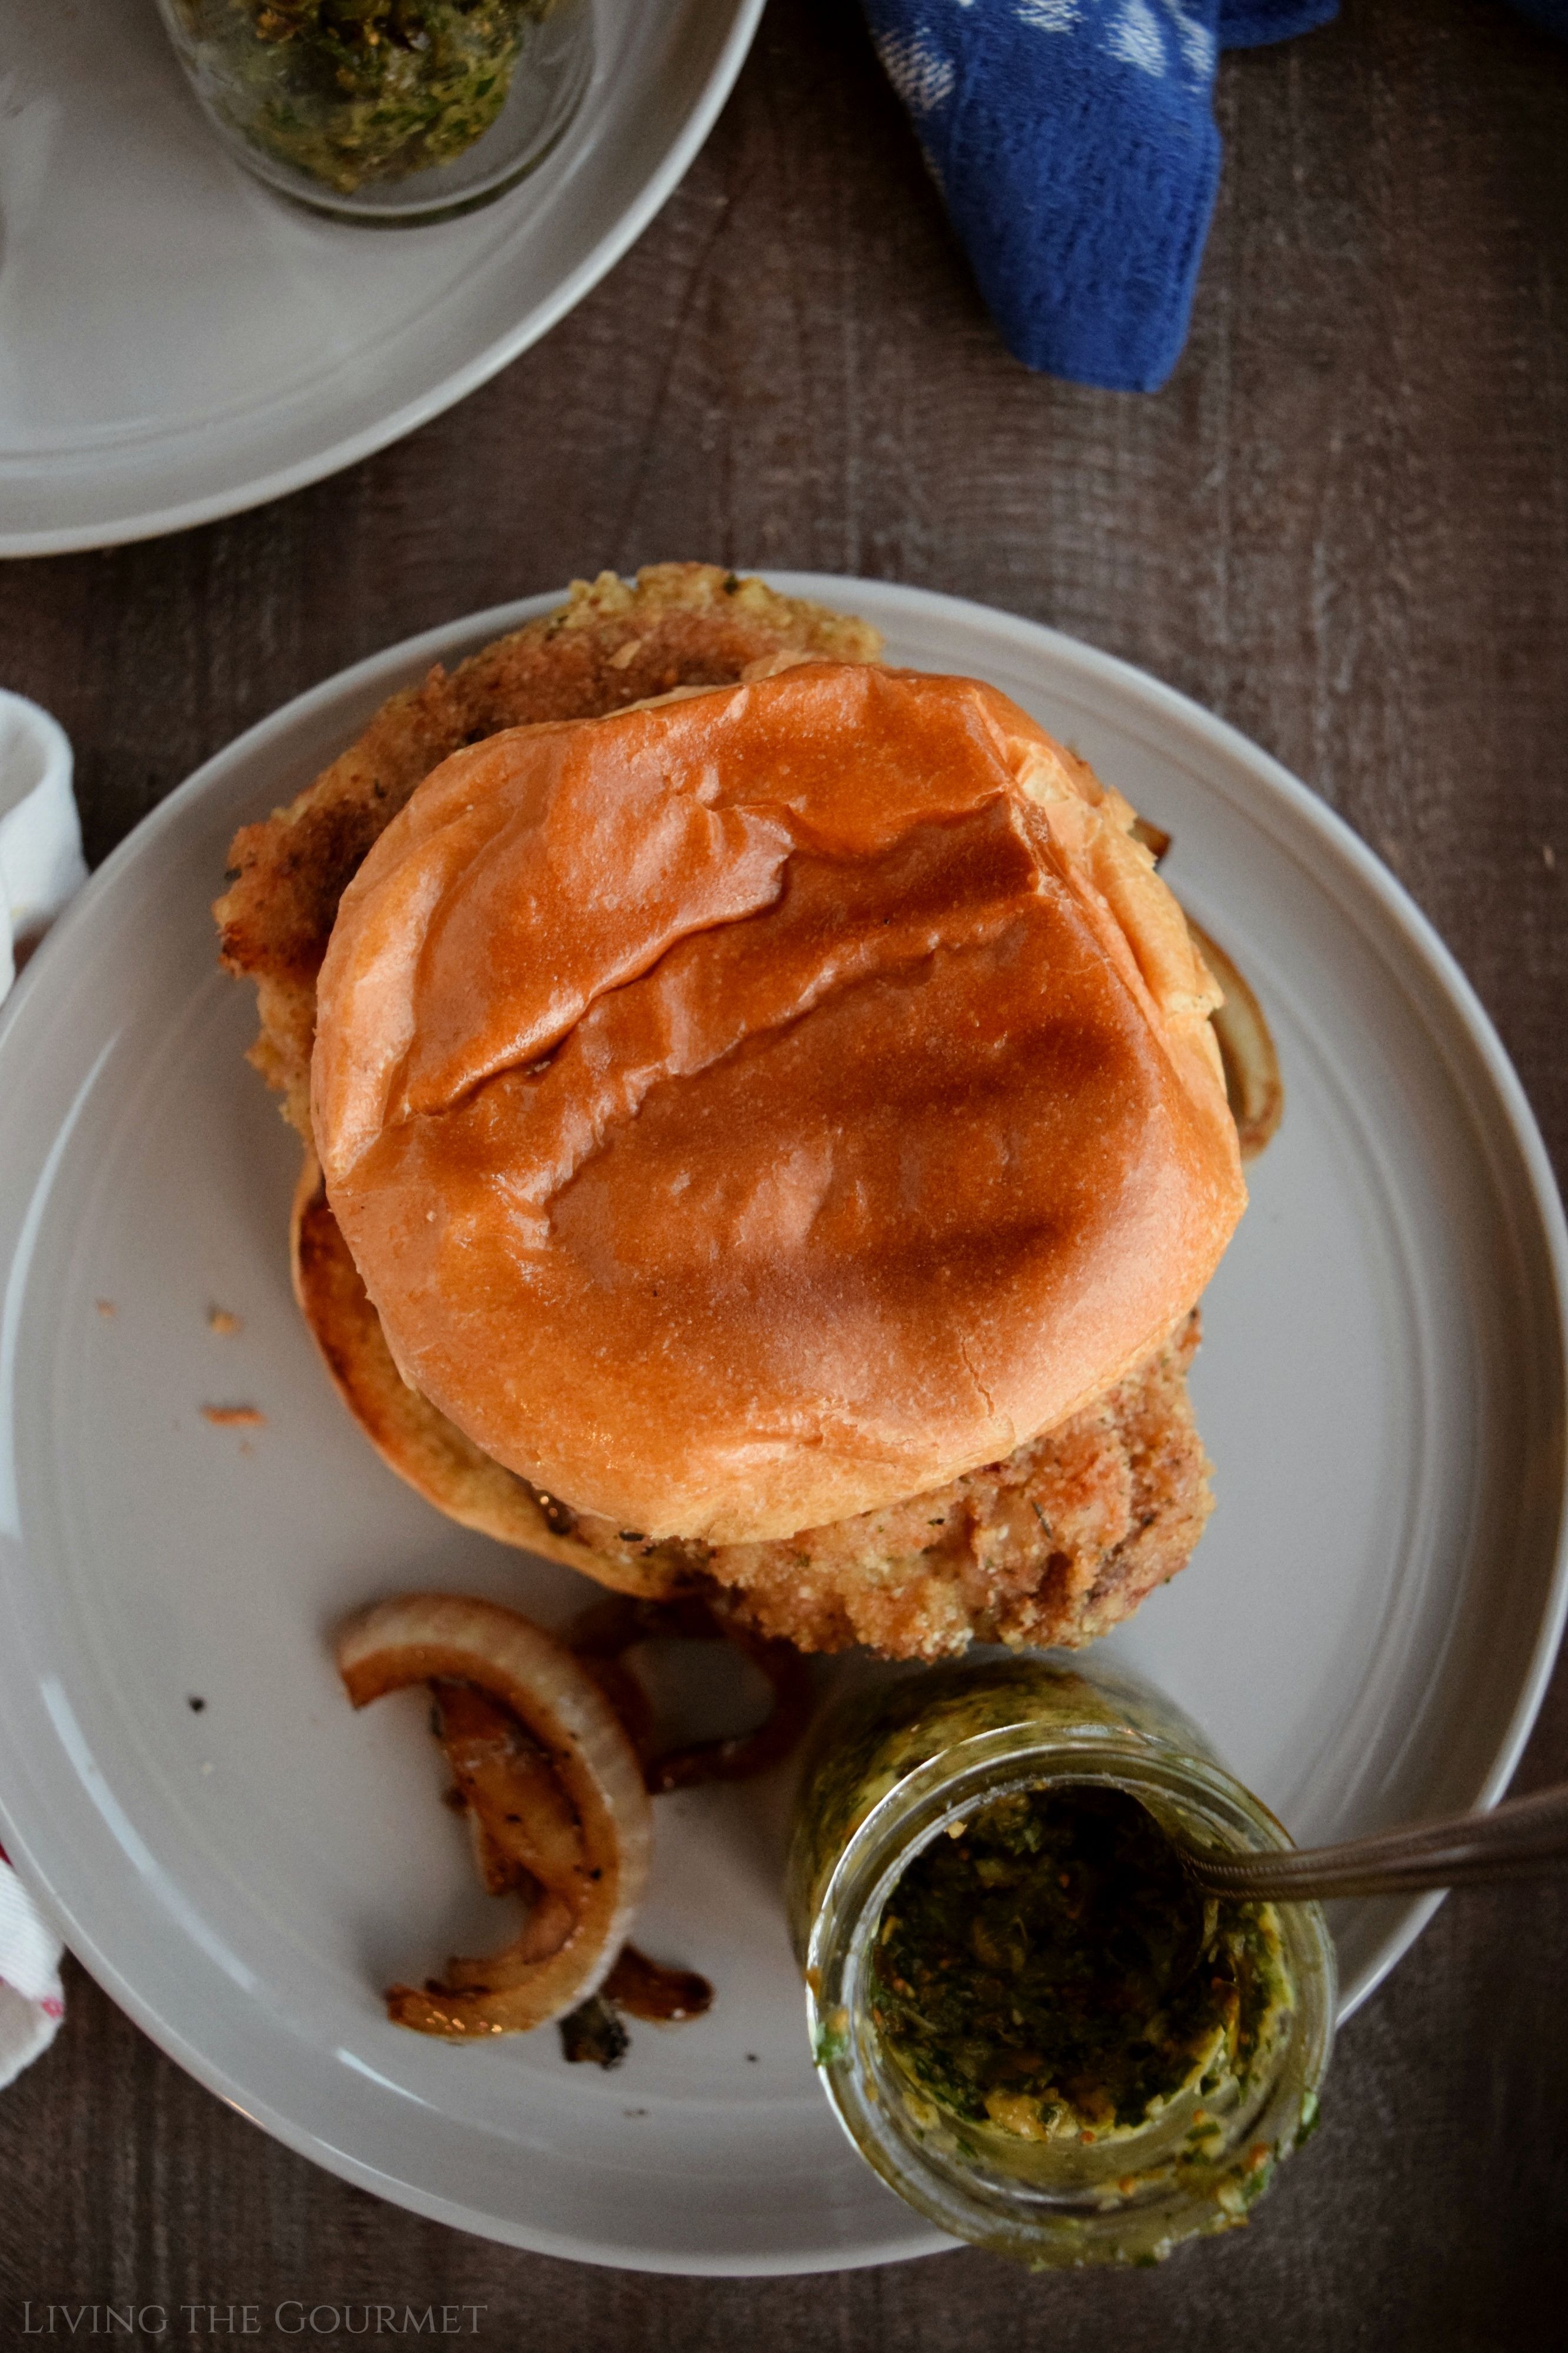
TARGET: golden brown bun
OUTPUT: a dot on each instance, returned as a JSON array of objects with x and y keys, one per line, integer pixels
[
  {"x": 420, "y": 1444},
  {"x": 610, "y": 644},
  {"x": 754, "y": 1108}
]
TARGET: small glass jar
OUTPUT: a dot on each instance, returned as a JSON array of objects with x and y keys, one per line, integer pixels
[
  {"x": 389, "y": 112},
  {"x": 897, "y": 1765}
]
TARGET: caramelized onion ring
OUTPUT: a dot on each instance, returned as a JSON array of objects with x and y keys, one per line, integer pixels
[
  {"x": 591, "y": 1881},
  {"x": 600, "y": 1635},
  {"x": 1253, "y": 1086},
  {"x": 511, "y": 1792}
]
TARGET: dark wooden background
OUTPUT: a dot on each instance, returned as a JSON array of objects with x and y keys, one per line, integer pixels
[{"x": 1344, "y": 525}]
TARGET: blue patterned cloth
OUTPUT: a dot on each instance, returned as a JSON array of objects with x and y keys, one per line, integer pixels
[
  {"x": 1075, "y": 143},
  {"x": 1552, "y": 15}
]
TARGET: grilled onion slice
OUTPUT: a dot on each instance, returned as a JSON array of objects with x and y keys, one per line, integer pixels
[
  {"x": 599, "y": 1636},
  {"x": 558, "y": 1805},
  {"x": 1252, "y": 1083}
]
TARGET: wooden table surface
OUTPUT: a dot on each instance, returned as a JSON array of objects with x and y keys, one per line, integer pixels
[{"x": 1344, "y": 526}]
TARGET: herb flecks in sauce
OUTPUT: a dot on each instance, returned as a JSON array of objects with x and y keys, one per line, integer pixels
[
  {"x": 1047, "y": 1970},
  {"x": 353, "y": 91}
]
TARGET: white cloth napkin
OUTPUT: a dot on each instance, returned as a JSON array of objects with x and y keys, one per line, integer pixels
[
  {"x": 40, "y": 866},
  {"x": 32, "y": 2002},
  {"x": 41, "y": 833}
]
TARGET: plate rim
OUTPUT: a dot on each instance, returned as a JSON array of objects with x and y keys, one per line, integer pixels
[
  {"x": 1418, "y": 938},
  {"x": 76, "y": 538}
]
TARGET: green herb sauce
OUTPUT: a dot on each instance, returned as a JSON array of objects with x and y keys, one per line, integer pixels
[
  {"x": 1045, "y": 1970},
  {"x": 351, "y": 92}
]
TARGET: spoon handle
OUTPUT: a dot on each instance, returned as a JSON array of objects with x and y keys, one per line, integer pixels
[{"x": 1524, "y": 1839}]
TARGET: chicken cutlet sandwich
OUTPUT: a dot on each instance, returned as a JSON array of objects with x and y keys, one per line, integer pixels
[{"x": 765, "y": 1127}]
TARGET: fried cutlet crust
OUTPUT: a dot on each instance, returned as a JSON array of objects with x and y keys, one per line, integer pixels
[
  {"x": 1053, "y": 1545},
  {"x": 609, "y": 644}
]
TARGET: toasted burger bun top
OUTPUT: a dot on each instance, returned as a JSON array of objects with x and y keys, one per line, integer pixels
[{"x": 769, "y": 1103}]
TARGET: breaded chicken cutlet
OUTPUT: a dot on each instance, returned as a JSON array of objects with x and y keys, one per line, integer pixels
[{"x": 1052, "y": 1545}]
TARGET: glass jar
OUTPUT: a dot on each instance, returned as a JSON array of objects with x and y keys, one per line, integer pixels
[
  {"x": 897, "y": 1765},
  {"x": 390, "y": 112}
]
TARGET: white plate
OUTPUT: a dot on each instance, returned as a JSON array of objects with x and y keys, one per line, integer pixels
[
  {"x": 178, "y": 344},
  {"x": 1365, "y": 1631}
]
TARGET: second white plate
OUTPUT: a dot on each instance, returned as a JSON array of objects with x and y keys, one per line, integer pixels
[
  {"x": 1364, "y": 1632},
  {"x": 177, "y": 344}
]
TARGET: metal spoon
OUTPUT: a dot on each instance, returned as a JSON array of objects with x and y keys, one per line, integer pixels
[{"x": 1524, "y": 1839}]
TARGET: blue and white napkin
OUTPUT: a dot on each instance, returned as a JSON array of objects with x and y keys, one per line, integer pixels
[{"x": 1075, "y": 143}]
